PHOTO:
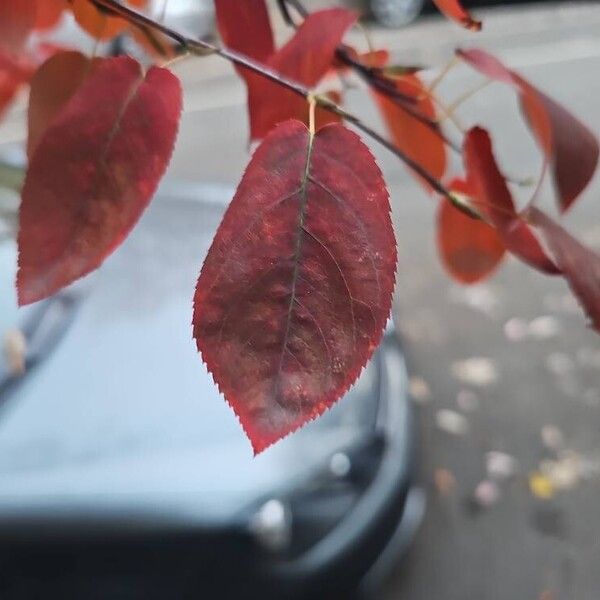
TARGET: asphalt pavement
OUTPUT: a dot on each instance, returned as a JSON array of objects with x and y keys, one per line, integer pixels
[{"x": 507, "y": 367}]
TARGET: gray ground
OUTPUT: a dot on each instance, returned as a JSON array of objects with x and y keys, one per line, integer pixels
[{"x": 521, "y": 547}]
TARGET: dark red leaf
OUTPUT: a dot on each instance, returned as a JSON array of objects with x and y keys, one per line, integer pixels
[
  {"x": 245, "y": 27},
  {"x": 454, "y": 10},
  {"x": 51, "y": 88},
  {"x": 470, "y": 249},
  {"x": 416, "y": 139},
  {"x": 17, "y": 20},
  {"x": 570, "y": 147},
  {"x": 306, "y": 58},
  {"x": 296, "y": 288},
  {"x": 580, "y": 266},
  {"x": 493, "y": 200},
  {"x": 93, "y": 173}
]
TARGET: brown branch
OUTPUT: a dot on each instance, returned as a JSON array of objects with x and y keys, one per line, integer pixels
[
  {"x": 374, "y": 77},
  {"x": 203, "y": 48}
]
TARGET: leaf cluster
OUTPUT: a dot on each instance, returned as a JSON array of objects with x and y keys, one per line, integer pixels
[{"x": 295, "y": 291}]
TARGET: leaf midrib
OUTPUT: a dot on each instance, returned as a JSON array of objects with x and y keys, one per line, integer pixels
[{"x": 297, "y": 254}]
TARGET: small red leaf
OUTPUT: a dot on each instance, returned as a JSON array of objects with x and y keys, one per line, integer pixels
[
  {"x": 93, "y": 173},
  {"x": 493, "y": 200},
  {"x": 306, "y": 58},
  {"x": 297, "y": 285},
  {"x": 49, "y": 13},
  {"x": 245, "y": 27},
  {"x": 51, "y": 88},
  {"x": 580, "y": 266},
  {"x": 570, "y": 147},
  {"x": 415, "y": 138},
  {"x": 98, "y": 23},
  {"x": 17, "y": 20},
  {"x": 470, "y": 249},
  {"x": 454, "y": 10},
  {"x": 14, "y": 73}
]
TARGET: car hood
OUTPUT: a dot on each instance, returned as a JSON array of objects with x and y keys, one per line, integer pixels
[{"x": 122, "y": 415}]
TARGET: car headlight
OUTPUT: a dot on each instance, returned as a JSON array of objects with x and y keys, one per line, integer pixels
[{"x": 290, "y": 524}]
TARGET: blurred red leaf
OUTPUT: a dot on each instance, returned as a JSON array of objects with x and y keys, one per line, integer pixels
[
  {"x": 245, "y": 27},
  {"x": 569, "y": 146},
  {"x": 98, "y": 23},
  {"x": 51, "y": 88},
  {"x": 16, "y": 70},
  {"x": 17, "y": 20},
  {"x": 94, "y": 171},
  {"x": 580, "y": 266},
  {"x": 49, "y": 12},
  {"x": 415, "y": 138},
  {"x": 493, "y": 200},
  {"x": 14, "y": 73},
  {"x": 306, "y": 58},
  {"x": 296, "y": 288},
  {"x": 454, "y": 10},
  {"x": 470, "y": 249}
]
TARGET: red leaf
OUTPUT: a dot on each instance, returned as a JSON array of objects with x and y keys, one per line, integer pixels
[
  {"x": 297, "y": 285},
  {"x": 569, "y": 146},
  {"x": 580, "y": 266},
  {"x": 415, "y": 138},
  {"x": 97, "y": 23},
  {"x": 17, "y": 20},
  {"x": 493, "y": 200},
  {"x": 245, "y": 27},
  {"x": 93, "y": 173},
  {"x": 470, "y": 249},
  {"x": 51, "y": 88},
  {"x": 49, "y": 13},
  {"x": 454, "y": 10},
  {"x": 306, "y": 58},
  {"x": 14, "y": 73}
]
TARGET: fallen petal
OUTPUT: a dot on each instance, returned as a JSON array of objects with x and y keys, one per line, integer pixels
[
  {"x": 451, "y": 422},
  {"x": 500, "y": 466},
  {"x": 477, "y": 371}
]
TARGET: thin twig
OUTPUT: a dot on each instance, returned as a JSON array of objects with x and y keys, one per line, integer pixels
[
  {"x": 455, "y": 105},
  {"x": 440, "y": 76},
  {"x": 285, "y": 13},
  {"x": 298, "y": 7}
]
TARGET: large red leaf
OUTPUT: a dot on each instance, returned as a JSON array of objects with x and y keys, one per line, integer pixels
[
  {"x": 297, "y": 285},
  {"x": 245, "y": 27},
  {"x": 415, "y": 138},
  {"x": 470, "y": 249},
  {"x": 93, "y": 172},
  {"x": 493, "y": 200},
  {"x": 17, "y": 20},
  {"x": 306, "y": 58},
  {"x": 580, "y": 266},
  {"x": 569, "y": 146},
  {"x": 454, "y": 10},
  {"x": 51, "y": 88}
]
